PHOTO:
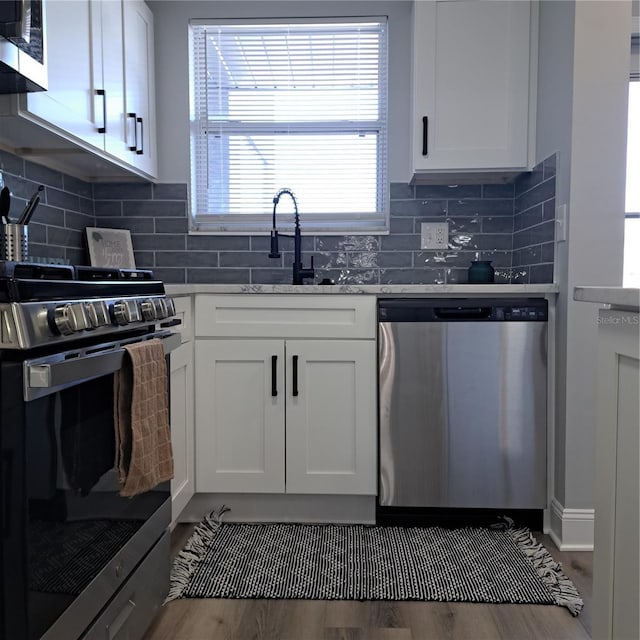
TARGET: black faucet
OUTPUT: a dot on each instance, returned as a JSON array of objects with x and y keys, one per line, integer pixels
[{"x": 300, "y": 273}]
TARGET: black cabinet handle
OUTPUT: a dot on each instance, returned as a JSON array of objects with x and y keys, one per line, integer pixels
[
  {"x": 5, "y": 493},
  {"x": 295, "y": 376},
  {"x": 171, "y": 323},
  {"x": 140, "y": 151},
  {"x": 425, "y": 136},
  {"x": 135, "y": 132},
  {"x": 274, "y": 380},
  {"x": 103, "y": 93}
]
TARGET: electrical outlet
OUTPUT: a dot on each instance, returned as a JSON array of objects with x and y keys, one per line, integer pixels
[{"x": 434, "y": 235}]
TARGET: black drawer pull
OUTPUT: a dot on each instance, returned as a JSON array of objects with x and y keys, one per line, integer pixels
[
  {"x": 135, "y": 132},
  {"x": 274, "y": 373},
  {"x": 140, "y": 151},
  {"x": 425, "y": 136},
  {"x": 295, "y": 376},
  {"x": 103, "y": 93}
]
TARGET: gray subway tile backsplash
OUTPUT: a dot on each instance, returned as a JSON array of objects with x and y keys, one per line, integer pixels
[
  {"x": 418, "y": 208},
  {"x": 479, "y": 207},
  {"x": 154, "y": 208},
  {"x": 43, "y": 175},
  {"x": 498, "y": 190},
  {"x": 170, "y": 192},
  {"x": 170, "y": 225},
  {"x": 448, "y": 192},
  {"x": 541, "y": 192},
  {"x": 123, "y": 191},
  {"x": 510, "y": 224}
]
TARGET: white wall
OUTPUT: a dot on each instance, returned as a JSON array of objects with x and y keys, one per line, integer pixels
[
  {"x": 582, "y": 113},
  {"x": 553, "y": 135},
  {"x": 171, "y": 19}
]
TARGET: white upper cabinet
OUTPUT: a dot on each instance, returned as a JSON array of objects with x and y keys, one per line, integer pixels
[
  {"x": 69, "y": 104},
  {"x": 471, "y": 85},
  {"x": 140, "y": 86},
  {"x": 86, "y": 74},
  {"x": 100, "y": 67},
  {"x": 108, "y": 75}
]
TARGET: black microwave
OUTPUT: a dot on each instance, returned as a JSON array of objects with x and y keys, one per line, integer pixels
[{"x": 22, "y": 46}]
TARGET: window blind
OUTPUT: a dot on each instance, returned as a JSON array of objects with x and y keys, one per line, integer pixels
[{"x": 301, "y": 105}]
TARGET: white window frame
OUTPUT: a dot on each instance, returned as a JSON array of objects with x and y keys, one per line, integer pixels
[
  {"x": 631, "y": 271},
  {"x": 318, "y": 223}
]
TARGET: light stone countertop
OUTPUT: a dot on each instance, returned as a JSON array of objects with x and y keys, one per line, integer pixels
[
  {"x": 617, "y": 297},
  {"x": 432, "y": 290}
]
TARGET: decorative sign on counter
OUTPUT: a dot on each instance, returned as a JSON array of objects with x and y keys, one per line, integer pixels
[{"x": 110, "y": 248}]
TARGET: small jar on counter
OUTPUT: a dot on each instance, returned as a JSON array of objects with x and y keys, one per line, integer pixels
[{"x": 481, "y": 272}]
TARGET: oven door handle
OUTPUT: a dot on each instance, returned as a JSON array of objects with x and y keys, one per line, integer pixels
[{"x": 47, "y": 377}]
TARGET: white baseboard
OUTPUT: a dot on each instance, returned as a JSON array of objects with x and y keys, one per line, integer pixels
[
  {"x": 264, "y": 507},
  {"x": 571, "y": 529}
]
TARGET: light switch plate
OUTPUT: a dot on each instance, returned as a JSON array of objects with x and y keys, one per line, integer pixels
[{"x": 434, "y": 235}]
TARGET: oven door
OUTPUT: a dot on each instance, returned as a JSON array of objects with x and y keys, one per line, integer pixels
[{"x": 69, "y": 540}]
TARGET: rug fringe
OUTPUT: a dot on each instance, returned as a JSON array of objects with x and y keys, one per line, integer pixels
[
  {"x": 186, "y": 562},
  {"x": 562, "y": 589}
]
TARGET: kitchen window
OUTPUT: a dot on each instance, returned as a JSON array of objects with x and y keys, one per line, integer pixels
[{"x": 299, "y": 104}]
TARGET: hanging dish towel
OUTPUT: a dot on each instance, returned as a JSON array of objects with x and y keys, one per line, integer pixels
[{"x": 144, "y": 457}]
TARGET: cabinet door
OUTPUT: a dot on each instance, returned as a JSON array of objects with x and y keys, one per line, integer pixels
[
  {"x": 331, "y": 422},
  {"x": 68, "y": 105},
  {"x": 240, "y": 416},
  {"x": 471, "y": 82},
  {"x": 139, "y": 85},
  {"x": 617, "y": 466},
  {"x": 112, "y": 83},
  {"x": 181, "y": 388}
]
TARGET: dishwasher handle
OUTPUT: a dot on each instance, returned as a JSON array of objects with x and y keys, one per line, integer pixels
[{"x": 462, "y": 313}]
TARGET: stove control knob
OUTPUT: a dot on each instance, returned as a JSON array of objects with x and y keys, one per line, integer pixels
[
  {"x": 98, "y": 314},
  {"x": 161, "y": 308},
  {"x": 171, "y": 308},
  {"x": 126, "y": 312},
  {"x": 70, "y": 318},
  {"x": 148, "y": 310}
]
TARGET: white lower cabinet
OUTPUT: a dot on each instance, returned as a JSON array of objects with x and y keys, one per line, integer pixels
[
  {"x": 331, "y": 422},
  {"x": 181, "y": 417},
  {"x": 240, "y": 424},
  {"x": 280, "y": 415},
  {"x": 616, "y": 558}
]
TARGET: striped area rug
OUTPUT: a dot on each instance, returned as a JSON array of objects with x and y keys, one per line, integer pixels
[{"x": 360, "y": 562}]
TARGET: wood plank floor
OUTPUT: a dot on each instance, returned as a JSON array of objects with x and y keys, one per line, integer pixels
[{"x": 218, "y": 619}]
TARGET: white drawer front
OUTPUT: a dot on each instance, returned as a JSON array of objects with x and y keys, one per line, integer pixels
[{"x": 282, "y": 316}]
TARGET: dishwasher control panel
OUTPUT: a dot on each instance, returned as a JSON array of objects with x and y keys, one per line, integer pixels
[
  {"x": 463, "y": 310},
  {"x": 522, "y": 313}
]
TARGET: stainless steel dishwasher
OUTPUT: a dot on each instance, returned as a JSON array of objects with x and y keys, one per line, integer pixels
[{"x": 462, "y": 403}]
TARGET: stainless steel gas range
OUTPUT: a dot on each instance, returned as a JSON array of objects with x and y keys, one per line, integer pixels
[{"x": 78, "y": 560}]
